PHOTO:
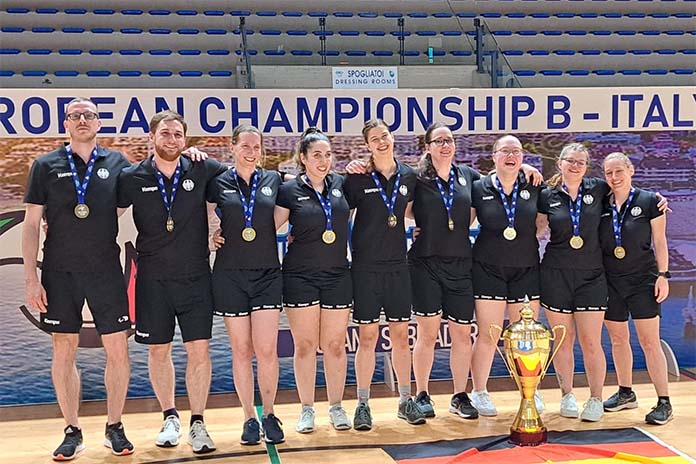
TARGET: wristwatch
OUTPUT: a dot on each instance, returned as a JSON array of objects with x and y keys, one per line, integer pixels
[{"x": 665, "y": 274}]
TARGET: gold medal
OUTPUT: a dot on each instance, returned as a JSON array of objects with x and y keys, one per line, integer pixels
[
  {"x": 450, "y": 224},
  {"x": 329, "y": 236},
  {"x": 509, "y": 233},
  {"x": 170, "y": 224},
  {"x": 248, "y": 234},
  {"x": 392, "y": 221},
  {"x": 620, "y": 252},
  {"x": 81, "y": 210},
  {"x": 576, "y": 242}
]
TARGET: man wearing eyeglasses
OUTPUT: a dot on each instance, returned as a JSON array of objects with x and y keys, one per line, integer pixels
[{"x": 74, "y": 188}]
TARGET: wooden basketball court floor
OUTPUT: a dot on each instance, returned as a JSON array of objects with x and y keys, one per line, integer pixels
[{"x": 28, "y": 434}]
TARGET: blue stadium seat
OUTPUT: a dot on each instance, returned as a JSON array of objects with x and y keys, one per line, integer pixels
[
  {"x": 317, "y": 14},
  {"x": 103, "y": 11},
  {"x": 426, "y": 33},
  {"x": 576, "y": 32},
  {"x": 9, "y": 51},
  {"x": 159, "y": 13},
  {"x": 301, "y": 52},
  {"x": 322, "y": 33},
  {"x": 630, "y": 72},
  {"x": 132, "y": 12},
  {"x": 666, "y": 51},
  {"x": 604, "y": 72},
  {"x": 491, "y": 15},
  {"x": 382, "y": 53},
  {"x": 187, "y": 12},
  {"x": 129, "y": 73},
  {"x": 411, "y": 53},
  {"x": 539, "y": 52},
  {"x": 552, "y": 33},
  {"x": 130, "y": 52},
  {"x": 615, "y": 52},
  {"x": 356, "y": 52},
  {"x": 368, "y": 15},
  {"x": 451, "y": 33},
  {"x": 189, "y": 52},
  {"x": 513, "y": 52},
  {"x": 466, "y": 15},
  {"x": 240, "y": 13},
  {"x": 417, "y": 15},
  {"x": 160, "y": 31},
  {"x": 250, "y": 52},
  {"x": 159, "y": 73},
  {"x": 46, "y": 11},
  {"x": 73, "y": 30},
  {"x": 292, "y": 14},
  {"x": 34, "y": 73},
  {"x": 17, "y": 10},
  {"x": 681, "y": 71},
  {"x": 43, "y": 29},
  {"x": 590, "y": 52},
  {"x": 565, "y": 15},
  {"x": 445, "y": 14},
  {"x": 611, "y": 15},
  {"x": 400, "y": 34},
  {"x": 329, "y": 53},
  {"x": 39, "y": 51},
  {"x": 540, "y": 15},
  {"x": 551, "y": 72},
  {"x": 657, "y": 72},
  {"x": 650, "y": 32},
  {"x": 675, "y": 32},
  {"x": 393, "y": 15},
  {"x": 524, "y": 72},
  {"x": 626, "y": 32},
  {"x": 659, "y": 15},
  {"x": 601, "y": 32},
  {"x": 214, "y": 13},
  {"x": 588, "y": 15},
  {"x": 639, "y": 52},
  {"x": 218, "y": 52},
  {"x": 375, "y": 33},
  {"x": 266, "y": 14},
  {"x": 461, "y": 53},
  {"x": 190, "y": 73},
  {"x": 564, "y": 52},
  {"x": 6, "y": 73},
  {"x": 102, "y": 30},
  {"x": 220, "y": 73},
  {"x": 101, "y": 52},
  {"x": 188, "y": 31},
  {"x": 274, "y": 52},
  {"x": 70, "y": 51},
  {"x": 295, "y": 32},
  {"x": 636, "y": 15},
  {"x": 526, "y": 33},
  {"x": 515, "y": 15},
  {"x": 160, "y": 52},
  {"x": 131, "y": 30},
  {"x": 98, "y": 73},
  {"x": 11, "y": 29},
  {"x": 349, "y": 33},
  {"x": 343, "y": 14},
  {"x": 215, "y": 31},
  {"x": 688, "y": 51},
  {"x": 269, "y": 32},
  {"x": 66, "y": 73},
  {"x": 578, "y": 72}
]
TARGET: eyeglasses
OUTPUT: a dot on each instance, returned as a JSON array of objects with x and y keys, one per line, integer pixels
[
  {"x": 88, "y": 115},
  {"x": 514, "y": 152},
  {"x": 442, "y": 142},
  {"x": 578, "y": 163}
]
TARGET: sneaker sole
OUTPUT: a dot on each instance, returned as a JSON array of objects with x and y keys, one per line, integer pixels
[
  {"x": 167, "y": 443},
  {"x": 274, "y": 442},
  {"x": 123, "y": 452},
  {"x": 249, "y": 442},
  {"x": 419, "y": 421},
  {"x": 428, "y": 414},
  {"x": 304, "y": 430},
  {"x": 203, "y": 449},
  {"x": 570, "y": 415},
  {"x": 591, "y": 419},
  {"x": 657, "y": 422},
  {"x": 61, "y": 457},
  {"x": 362, "y": 427},
  {"x": 631, "y": 405},
  {"x": 462, "y": 415},
  {"x": 486, "y": 413},
  {"x": 341, "y": 426}
]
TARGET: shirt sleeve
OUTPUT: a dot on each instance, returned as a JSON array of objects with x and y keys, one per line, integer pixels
[
  {"x": 283, "y": 198},
  {"x": 654, "y": 211},
  {"x": 350, "y": 190},
  {"x": 211, "y": 191},
  {"x": 543, "y": 201},
  {"x": 124, "y": 200},
  {"x": 36, "y": 185},
  {"x": 475, "y": 175},
  {"x": 214, "y": 168}
]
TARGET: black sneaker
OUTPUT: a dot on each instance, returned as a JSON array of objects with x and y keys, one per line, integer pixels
[
  {"x": 619, "y": 401},
  {"x": 409, "y": 412},
  {"x": 251, "y": 433},
  {"x": 660, "y": 414},
  {"x": 362, "y": 420},
  {"x": 272, "y": 430},
  {"x": 425, "y": 404},
  {"x": 72, "y": 444},
  {"x": 461, "y": 405},
  {"x": 115, "y": 438}
]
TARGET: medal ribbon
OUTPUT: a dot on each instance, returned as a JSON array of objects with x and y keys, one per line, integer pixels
[
  {"x": 617, "y": 219},
  {"x": 168, "y": 202},
  {"x": 389, "y": 204},
  {"x": 247, "y": 206},
  {"x": 81, "y": 188},
  {"x": 509, "y": 207},
  {"x": 575, "y": 209},
  {"x": 324, "y": 201},
  {"x": 447, "y": 198}
]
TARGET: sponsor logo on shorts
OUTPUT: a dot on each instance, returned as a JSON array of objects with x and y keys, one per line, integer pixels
[
  {"x": 149, "y": 189},
  {"x": 142, "y": 334},
  {"x": 403, "y": 190},
  {"x": 371, "y": 190},
  {"x": 302, "y": 198},
  {"x": 268, "y": 191},
  {"x": 51, "y": 321},
  {"x": 337, "y": 193},
  {"x": 64, "y": 174},
  {"x": 553, "y": 205},
  {"x": 636, "y": 211},
  {"x": 188, "y": 185},
  {"x": 462, "y": 181},
  {"x": 524, "y": 194},
  {"x": 123, "y": 319},
  {"x": 489, "y": 197},
  {"x": 103, "y": 173},
  {"x": 588, "y": 199}
]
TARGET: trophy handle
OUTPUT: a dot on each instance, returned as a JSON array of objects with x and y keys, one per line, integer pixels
[
  {"x": 557, "y": 344},
  {"x": 496, "y": 339}
]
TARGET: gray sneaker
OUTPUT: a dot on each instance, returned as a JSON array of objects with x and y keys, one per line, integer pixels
[
  {"x": 306, "y": 422},
  {"x": 569, "y": 406},
  {"x": 409, "y": 412},
  {"x": 593, "y": 410},
  {"x": 338, "y": 417},
  {"x": 199, "y": 439},
  {"x": 362, "y": 420},
  {"x": 170, "y": 432}
]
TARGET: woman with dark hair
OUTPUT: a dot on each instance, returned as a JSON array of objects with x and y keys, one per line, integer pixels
[
  {"x": 317, "y": 287},
  {"x": 637, "y": 280},
  {"x": 247, "y": 282},
  {"x": 381, "y": 280}
]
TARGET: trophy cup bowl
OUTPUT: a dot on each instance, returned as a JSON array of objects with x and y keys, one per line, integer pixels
[{"x": 527, "y": 345}]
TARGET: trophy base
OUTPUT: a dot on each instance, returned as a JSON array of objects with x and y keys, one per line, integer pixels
[{"x": 528, "y": 438}]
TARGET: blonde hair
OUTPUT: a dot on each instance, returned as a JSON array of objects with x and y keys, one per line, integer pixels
[
  {"x": 556, "y": 179},
  {"x": 617, "y": 155},
  {"x": 249, "y": 129},
  {"x": 307, "y": 139}
]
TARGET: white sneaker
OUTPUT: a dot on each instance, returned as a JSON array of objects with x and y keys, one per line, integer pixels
[
  {"x": 199, "y": 439},
  {"x": 339, "y": 418},
  {"x": 569, "y": 407},
  {"x": 306, "y": 422},
  {"x": 593, "y": 410},
  {"x": 482, "y": 401},
  {"x": 539, "y": 402},
  {"x": 170, "y": 433}
]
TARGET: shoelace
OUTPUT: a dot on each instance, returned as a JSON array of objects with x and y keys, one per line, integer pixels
[
  {"x": 198, "y": 430},
  {"x": 171, "y": 423},
  {"x": 307, "y": 414},
  {"x": 410, "y": 408},
  {"x": 363, "y": 414},
  {"x": 274, "y": 419}
]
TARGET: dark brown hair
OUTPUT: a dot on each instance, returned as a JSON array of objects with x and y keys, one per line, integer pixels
[
  {"x": 166, "y": 115},
  {"x": 425, "y": 165},
  {"x": 307, "y": 139}
]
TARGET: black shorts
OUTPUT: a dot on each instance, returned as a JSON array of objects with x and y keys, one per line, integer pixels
[
  {"x": 505, "y": 283},
  {"x": 329, "y": 288},
  {"x": 388, "y": 291},
  {"x": 106, "y": 297},
  {"x": 238, "y": 292},
  {"x": 442, "y": 286},
  {"x": 159, "y": 302},
  {"x": 569, "y": 291},
  {"x": 632, "y": 294}
]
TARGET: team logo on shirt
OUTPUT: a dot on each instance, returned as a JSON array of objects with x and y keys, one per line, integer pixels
[
  {"x": 524, "y": 194},
  {"x": 188, "y": 185},
  {"x": 462, "y": 181},
  {"x": 337, "y": 193},
  {"x": 636, "y": 211},
  {"x": 103, "y": 173},
  {"x": 403, "y": 190},
  {"x": 268, "y": 191},
  {"x": 588, "y": 199}
]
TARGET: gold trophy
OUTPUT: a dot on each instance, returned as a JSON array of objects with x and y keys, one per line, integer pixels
[{"x": 527, "y": 347}]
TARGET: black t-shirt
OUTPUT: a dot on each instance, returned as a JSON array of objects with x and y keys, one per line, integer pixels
[
  {"x": 636, "y": 235},
  {"x": 555, "y": 203},
  {"x": 236, "y": 253},
  {"x": 376, "y": 246},
  {"x": 184, "y": 251},
  {"x": 73, "y": 244},
  {"x": 490, "y": 246},
  {"x": 435, "y": 238},
  {"x": 307, "y": 250}
]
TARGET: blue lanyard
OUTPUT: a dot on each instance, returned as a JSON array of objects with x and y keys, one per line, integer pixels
[
  {"x": 168, "y": 202},
  {"x": 447, "y": 198},
  {"x": 389, "y": 204},
  {"x": 81, "y": 188},
  {"x": 325, "y": 202},
  {"x": 617, "y": 219},
  {"x": 247, "y": 206},
  {"x": 512, "y": 206},
  {"x": 575, "y": 209}
]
